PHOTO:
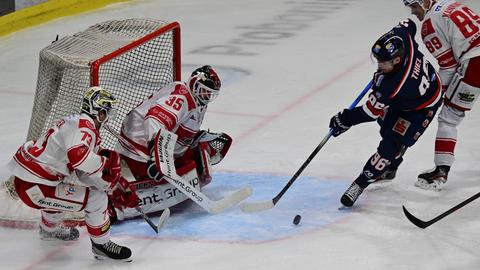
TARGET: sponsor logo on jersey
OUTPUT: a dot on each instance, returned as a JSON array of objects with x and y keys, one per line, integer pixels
[
  {"x": 447, "y": 59},
  {"x": 368, "y": 174},
  {"x": 49, "y": 204},
  {"x": 416, "y": 136},
  {"x": 425, "y": 123},
  {"x": 401, "y": 126},
  {"x": 427, "y": 28},
  {"x": 466, "y": 97},
  {"x": 70, "y": 191}
]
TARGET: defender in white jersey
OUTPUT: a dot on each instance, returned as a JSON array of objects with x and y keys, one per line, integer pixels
[
  {"x": 451, "y": 32},
  {"x": 43, "y": 167},
  {"x": 178, "y": 108}
]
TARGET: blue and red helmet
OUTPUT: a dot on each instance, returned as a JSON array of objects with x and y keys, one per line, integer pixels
[{"x": 388, "y": 47}]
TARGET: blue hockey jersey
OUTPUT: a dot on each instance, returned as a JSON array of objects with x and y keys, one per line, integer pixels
[{"x": 414, "y": 85}]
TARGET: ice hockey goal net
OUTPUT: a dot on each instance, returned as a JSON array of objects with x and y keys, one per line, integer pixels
[{"x": 131, "y": 58}]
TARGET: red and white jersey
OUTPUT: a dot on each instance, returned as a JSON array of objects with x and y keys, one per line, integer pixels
[
  {"x": 451, "y": 32},
  {"x": 70, "y": 146},
  {"x": 172, "y": 108}
]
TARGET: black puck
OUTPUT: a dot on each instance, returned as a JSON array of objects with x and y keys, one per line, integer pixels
[{"x": 297, "y": 219}]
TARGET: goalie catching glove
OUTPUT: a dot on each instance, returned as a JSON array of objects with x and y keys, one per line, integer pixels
[{"x": 217, "y": 145}]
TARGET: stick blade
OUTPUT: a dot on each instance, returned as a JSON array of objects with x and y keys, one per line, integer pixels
[
  {"x": 163, "y": 218},
  {"x": 257, "y": 206},
  {"x": 232, "y": 200},
  {"x": 417, "y": 222}
]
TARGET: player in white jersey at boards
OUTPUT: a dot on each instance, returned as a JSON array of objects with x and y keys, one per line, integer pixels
[
  {"x": 42, "y": 167},
  {"x": 177, "y": 108},
  {"x": 451, "y": 32}
]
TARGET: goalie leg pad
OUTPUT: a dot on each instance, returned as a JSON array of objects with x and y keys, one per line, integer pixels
[{"x": 155, "y": 197}]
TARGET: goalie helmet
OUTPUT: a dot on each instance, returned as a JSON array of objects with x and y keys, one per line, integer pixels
[
  {"x": 388, "y": 47},
  {"x": 97, "y": 99},
  {"x": 204, "y": 84}
]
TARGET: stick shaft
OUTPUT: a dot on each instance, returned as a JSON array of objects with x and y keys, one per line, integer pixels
[{"x": 319, "y": 147}]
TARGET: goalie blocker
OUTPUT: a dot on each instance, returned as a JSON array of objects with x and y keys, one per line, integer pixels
[{"x": 193, "y": 167}]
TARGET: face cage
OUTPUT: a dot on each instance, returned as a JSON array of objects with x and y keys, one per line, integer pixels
[
  {"x": 204, "y": 93},
  {"x": 110, "y": 114}
]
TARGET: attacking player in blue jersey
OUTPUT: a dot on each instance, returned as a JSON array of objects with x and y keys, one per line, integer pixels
[{"x": 406, "y": 95}]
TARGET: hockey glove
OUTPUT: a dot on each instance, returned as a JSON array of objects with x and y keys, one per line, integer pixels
[
  {"x": 218, "y": 147},
  {"x": 111, "y": 168},
  {"x": 125, "y": 195},
  {"x": 339, "y": 123}
]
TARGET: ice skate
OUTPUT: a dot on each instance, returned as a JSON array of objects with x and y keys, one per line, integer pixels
[
  {"x": 111, "y": 251},
  {"x": 433, "y": 179},
  {"x": 351, "y": 195},
  {"x": 386, "y": 177},
  {"x": 60, "y": 233}
]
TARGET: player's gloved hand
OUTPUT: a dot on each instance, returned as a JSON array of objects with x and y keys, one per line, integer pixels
[
  {"x": 152, "y": 170},
  {"x": 339, "y": 124},
  {"x": 111, "y": 169},
  {"x": 125, "y": 194}
]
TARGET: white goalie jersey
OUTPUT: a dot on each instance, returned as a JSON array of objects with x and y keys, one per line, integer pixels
[
  {"x": 172, "y": 108},
  {"x": 451, "y": 32}
]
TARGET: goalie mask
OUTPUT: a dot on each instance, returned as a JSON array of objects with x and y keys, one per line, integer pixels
[
  {"x": 97, "y": 99},
  {"x": 204, "y": 84}
]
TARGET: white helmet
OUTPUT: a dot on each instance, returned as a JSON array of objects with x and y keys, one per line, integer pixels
[
  {"x": 204, "y": 84},
  {"x": 410, "y": 2},
  {"x": 420, "y": 2}
]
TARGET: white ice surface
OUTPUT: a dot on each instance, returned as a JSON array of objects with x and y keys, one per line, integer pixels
[{"x": 310, "y": 60}]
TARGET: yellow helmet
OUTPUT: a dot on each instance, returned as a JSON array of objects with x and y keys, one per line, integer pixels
[{"x": 97, "y": 99}]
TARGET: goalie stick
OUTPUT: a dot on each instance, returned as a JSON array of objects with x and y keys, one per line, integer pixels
[
  {"x": 424, "y": 224},
  {"x": 265, "y": 205},
  {"x": 211, "y": 206}
]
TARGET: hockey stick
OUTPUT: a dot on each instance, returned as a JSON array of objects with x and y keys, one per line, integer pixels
[
  {"x": 161, "y": 220},
  {"x": 424, "y": 224},
  {"x": 265, "y": 205},
  {"x": 163, "y": 217},
  {"x": 213, "y": 207}
]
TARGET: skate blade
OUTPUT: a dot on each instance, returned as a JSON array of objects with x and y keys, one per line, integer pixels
[{"x": 105, "y": 258}]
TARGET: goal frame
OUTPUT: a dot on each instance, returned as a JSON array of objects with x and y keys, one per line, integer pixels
[{"x": 173, "y": 26}]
